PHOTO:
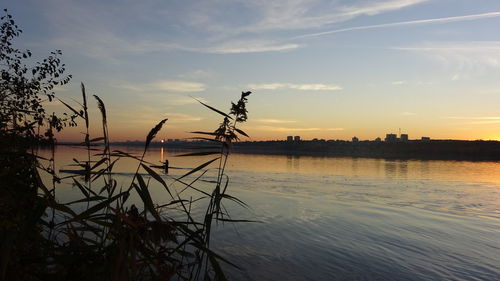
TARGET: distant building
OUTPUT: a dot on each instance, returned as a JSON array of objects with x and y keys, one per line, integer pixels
[
  {"x": 403, "y": 137},
  {"x": 426, "y": 139},
  {"x": 355, "y": 139},
  {"x": 296, "y": 138},
  {"x": 289, "y": 138},
  {"x": 378, "y": 139},
  {"x": 391, "y": 138}
]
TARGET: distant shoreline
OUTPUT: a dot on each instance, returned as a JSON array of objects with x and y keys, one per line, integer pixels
[{"x": 424, "y": 150}]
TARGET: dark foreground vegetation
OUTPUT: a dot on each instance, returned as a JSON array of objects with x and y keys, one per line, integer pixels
[{"x": 102, "y": 235}]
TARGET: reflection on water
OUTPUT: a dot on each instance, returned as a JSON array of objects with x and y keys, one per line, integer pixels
[
  {"x": 412, "y": 169},
  {"x": 396, "y": 168},
  {"x": 424, "y": 168},
  {"x": 403, "y": 168},
  {"x": 354, "y": 166},
  {"x": 377, "y": 166},
  {"x": 390, "y": 169},
  {"x": 352, "y": 218},
  {"x": 292, "y": 163}
]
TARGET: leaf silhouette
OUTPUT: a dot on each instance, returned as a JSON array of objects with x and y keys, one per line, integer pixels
[
  {"x": 154, "y": 131},
  {"x": 214, "y": 109}
]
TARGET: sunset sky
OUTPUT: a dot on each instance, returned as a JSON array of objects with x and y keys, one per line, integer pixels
[{"x": 318, "y": 69}]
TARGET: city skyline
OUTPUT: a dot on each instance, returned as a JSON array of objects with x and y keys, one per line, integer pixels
[{"x": 318, "y": 69}]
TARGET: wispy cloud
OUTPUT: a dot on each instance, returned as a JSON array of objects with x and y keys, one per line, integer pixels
[
  {"x": 197, "y": 74},
  {"x": 473, "y": 117},
  {"x": 465, "y": 54},
  {"x": 407, "y": 113},
  {"x": 380, "y": 7},
  {"x": 125, "y": 85},
  {"x": 483, "y": 122},
  {"x": 181, "y": 117},
  {"x": 405, "y": 23},
  {"x": 304, "y": 87},
  {"x": 210, "y": 27},
  {"x": 93, "y": 35},
  {"x": 306, "y": 14},
  {"x": 397, "y": 83},
  {"x": 181, "y": 100},
  {"x": 275, "y": 121},
  {"x": 179, "y": 86},
  {"x": 254, "y": 46},
  {"x": 294, "y": 129},
  {"x": 108, "y": 46},
  {"x": 175, "y": 86},
  {"x": 475, "y": 120},
  {"x": 168, "y": 91}
]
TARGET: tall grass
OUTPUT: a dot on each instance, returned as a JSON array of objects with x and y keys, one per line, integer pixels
[{"x": 103, "y": 235}]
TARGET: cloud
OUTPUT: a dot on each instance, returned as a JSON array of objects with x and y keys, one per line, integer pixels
[
  {"x": 315, "y": 87},
  {"x": 482, "y": 122},
  {"x": 275, "y": 121},
  {"x": 135, "y": 87},
  {"x": 307, "y": 14},
  {"x": 174, "y": 99},
  {"x": 397, "y": 83},
  {"x": 179, "y": 86},
  {"x": 380, "y": 7},
  {"x": 166, "y": 91},
  {"x": 284, "y": 129},
  {"x": 405, "y": 23},
  {"x": 238, "y": 47},
  {"x": 160, "y": 85},
  {"x": 93, "y": 34},
  {"x": 476, "y": 120},
  {"x": 473, "y": 117},
  {"x": 181, "y": 117},
  {"x": 110, "y": 46},
  {"x": 304, "y": 87},
  {"x": 465, "y": 55},
  {"x": 197, "y": 74},
  {"x": 106, "y": 31},
  {"x": 406, "y": 113},
  {"x": 268, "y": 86}
]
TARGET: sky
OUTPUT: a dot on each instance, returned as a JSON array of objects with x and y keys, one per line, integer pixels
[{"x": 317, "y": 69}]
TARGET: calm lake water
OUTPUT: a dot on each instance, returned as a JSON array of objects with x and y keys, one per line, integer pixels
[{"x": 325, "y": 218}]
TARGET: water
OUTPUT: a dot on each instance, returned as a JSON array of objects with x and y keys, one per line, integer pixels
[{"x": 350, "y": 219}]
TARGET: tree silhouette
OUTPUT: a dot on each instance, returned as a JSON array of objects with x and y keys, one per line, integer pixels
[{"x": 25, "y": 87}]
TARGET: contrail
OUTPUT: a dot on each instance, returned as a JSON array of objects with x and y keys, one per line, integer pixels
[{"x": 402, "y": 23}]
